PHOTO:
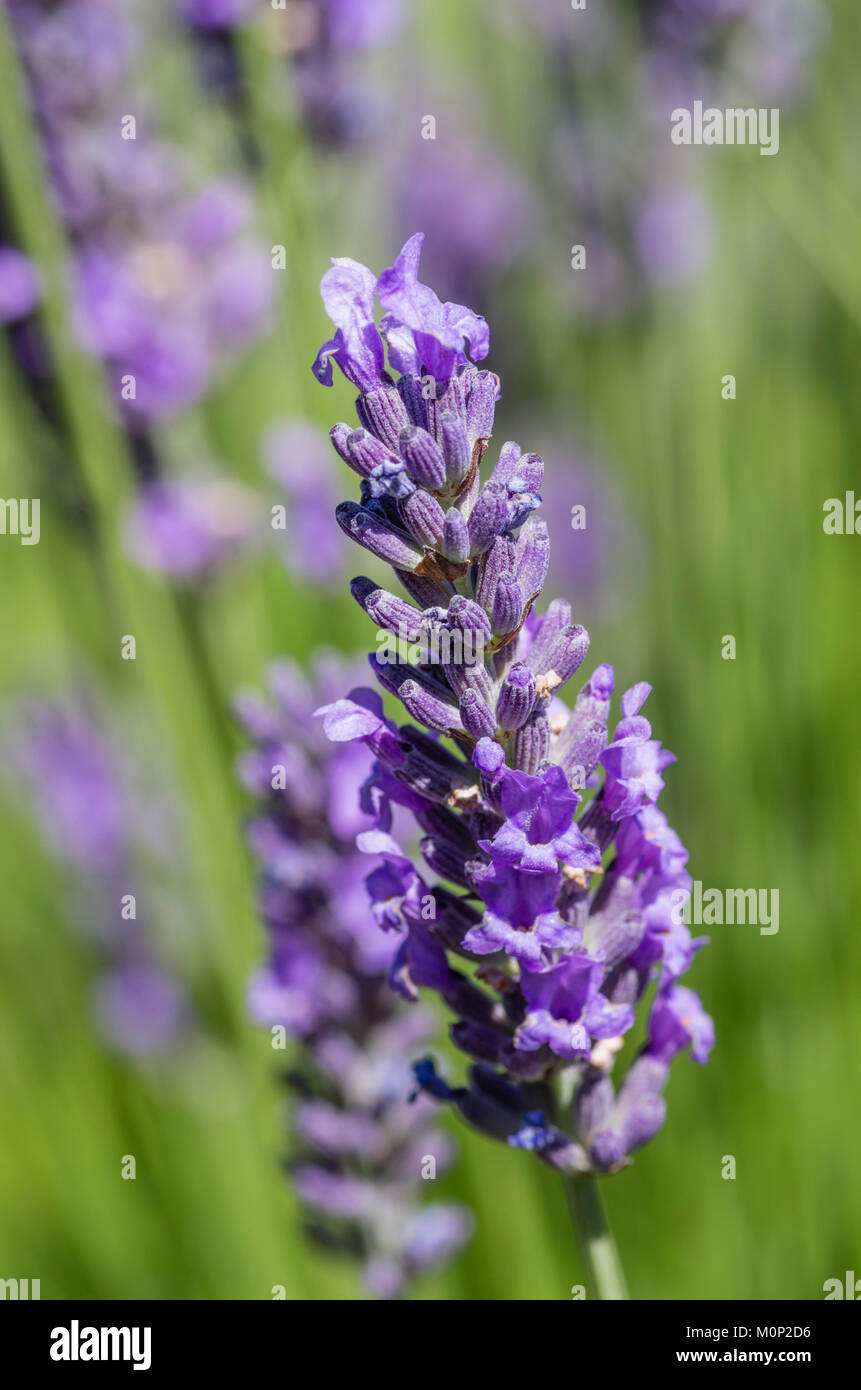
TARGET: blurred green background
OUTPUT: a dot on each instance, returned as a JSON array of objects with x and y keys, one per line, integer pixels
[{"x": 723, "y": 504}]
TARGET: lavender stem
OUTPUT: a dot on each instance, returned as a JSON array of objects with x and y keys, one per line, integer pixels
[{"x": 589, "y": 1219}]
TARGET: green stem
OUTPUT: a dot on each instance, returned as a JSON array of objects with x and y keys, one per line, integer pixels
[{"x": 589, "y": 1219}]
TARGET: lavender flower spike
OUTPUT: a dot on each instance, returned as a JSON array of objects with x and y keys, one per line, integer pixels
[
  {"x": 361, "y": 1147},
  {"x": 549, "y": 870}
]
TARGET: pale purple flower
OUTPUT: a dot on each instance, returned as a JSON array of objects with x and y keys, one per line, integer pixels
[
  {"x": 361, "y": 1137},
  {"x": 19, "y": 285},
  {"x": 190, "y": 527},
  {"x": 297, "y": 457},
  {"x": 170, "y": 283},
  {"x": 95, "y": 819}
]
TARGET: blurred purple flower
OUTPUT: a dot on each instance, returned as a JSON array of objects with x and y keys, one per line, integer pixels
[
  {"x": 170, "y": 283},
  {"x": 673, "y": 234},
  {"x": 19, "y": 285},
  {"x": 361, "y": 1140},
  {"x": 140, "y": 1009},
  {"x": 92, "y": 818},
  {"x": 187, "y": 528},
  {"x": 478, "y": 212},
  {"x": 297, "y": 457}
]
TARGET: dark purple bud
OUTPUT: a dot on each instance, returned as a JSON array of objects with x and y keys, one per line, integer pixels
[
  {"x": 383, "y": 413},
  {"x": 339, "y": 434},
  {"x": 477, "y": 717},
  {"x": 489, "y": 758},
  {"x": 455, "y": 537},
  {"x": 506, "y": 464},
  {"x": 597, "y": 823},
  {"x": 430, "y": 678},
  {"x": 427, "y": 708},
  {"x": 365, "y": 453},
  {"x": 566, "y": 655},
  {"x": 427, "y": 593},
  {"x": 392, "y": 674},
  {"x": 487, "y": 518},
  {"x": 425, "y": 774},
  {"x": 507, "y": 605},
  {"x": 445, "y": 860},
  {"x": 386, "y": 609},
  {"x": 499, "y": 559},
  {"x": 533, "y": 557},
  {"x": 479, "y": 1040},
  {"x": 410, "y": 390},
  {"x": 455, "y": 448},
  {"x": 382, "y": 503},
  {"x": 454, "y": 918},
  {"x": 530, "y": 744},
  {"x": 480, "y": 404},
  {"x": 423, "y": 458},
  {"x": 417, "y": 741},
  {"x": 471, "y": 675},
  {"x": 377, "y": 536},
  {"x": 446, "y": 827},
  {"x": 554, "y": 621},
  {"x": 516, "y": 698},
  {"x": 424, "y": 517},
  {"x": 468, "y": 1001},
  {"x": 469, "y": 616}
]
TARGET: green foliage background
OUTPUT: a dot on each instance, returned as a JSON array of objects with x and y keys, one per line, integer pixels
[{"x": 766, "y": 793}]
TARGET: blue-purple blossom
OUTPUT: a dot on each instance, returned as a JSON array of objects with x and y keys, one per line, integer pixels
[
  {"x": 423, "y": 335},
  {"x": 360, "y": 1142},
  {"x": 548, "y": 867}
]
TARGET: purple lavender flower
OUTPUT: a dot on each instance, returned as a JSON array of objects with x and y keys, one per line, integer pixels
[
  {"x": 361, "y": 1143},
  {"x": 91, "y": 816},
  {"x": 325, "y": 42},
  {"x": 551, "y": 867},
  {"x": 640, "y": 209},
  {"x": 297, "y": 458},
  {"x": 216, "y": 14},
  {"x": 478, "y": 211},
  {"x": 170, "y": 285},
  {"x": 188, "y": 528},
  {"x": 19, "y": 286}
]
